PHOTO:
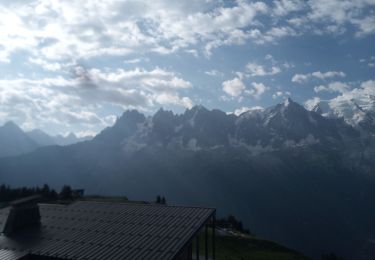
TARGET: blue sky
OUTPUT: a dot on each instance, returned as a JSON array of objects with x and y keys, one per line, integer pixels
[{"x": 74, "y": 66}]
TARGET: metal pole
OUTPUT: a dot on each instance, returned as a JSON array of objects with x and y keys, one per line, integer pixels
[
  {"x": 213, "y": 235},
  {"x": 197, "y": 247},
  {"x": 206, "y": 242}
]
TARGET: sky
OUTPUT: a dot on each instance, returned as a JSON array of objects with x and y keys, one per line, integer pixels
[{"x": 75, "y": 66}]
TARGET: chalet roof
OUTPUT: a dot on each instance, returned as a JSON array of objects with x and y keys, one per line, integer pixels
[
  {"x": 104, "y": 230},
  {"x": 10, "y": 254},
  {"x": 25, "y": 200}
]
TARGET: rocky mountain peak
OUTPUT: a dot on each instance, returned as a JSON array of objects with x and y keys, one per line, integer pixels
[{"x": 10, "y": 125}]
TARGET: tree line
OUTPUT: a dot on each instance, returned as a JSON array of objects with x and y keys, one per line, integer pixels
[
  {"x": 160, "y": 200},
  {"x": 8, "y": 194},
  {"x": 232, "y": 223}
]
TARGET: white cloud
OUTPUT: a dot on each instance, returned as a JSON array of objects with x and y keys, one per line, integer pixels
[
  {"x": 132, "y": 61},
  {"x": 366, "y": 26},
  {"x": 81, "y": 30},
  {"x": 90, "y": 29},
  {"x": 234, "y": 87},
  {"x": 4, "y": 56},
  {"x": 51, "y": 66},
  {"x": 64, "y": 104},
  {"x": 333, "y": 87},
  {"x": 284, "y": 7},
  {"x": 255, "y": 69},
  {"x": 214, "y": 73},
  {"x": 279, "y": 32},
  {"x": 301, "y": 78},
  {"x": 279, "y": 94},
  {"x": 156, "y": 79},
  {"x": 173, "y": 99},
  {"x": 328, "y": 74},
  {"x": 258, "y": 89},
  {"x": 65, "y": 37},
  {"x": 370, "y": 61},
  {"x": 87, "y": 133},
  {"x": 311, "y": 103},
  {"x": 368, "y": 87},
  {"x": 242, "y": 110},
  {"x": 297, "y": 22},
  {"x": 270, "y": 57},
  {"x": 339, "y": 13},
  {"x": 320, "y": 88},
  {"x": 272, "y": 35}
]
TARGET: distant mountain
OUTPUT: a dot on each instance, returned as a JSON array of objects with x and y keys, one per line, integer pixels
[
  {"x": 69, "y": 139},
  {"x": 359, "y": 113},
  {"x": 14, "y": 141},
  {"x": 292, "y": 175},
  {"x": 289, "y": 124},
  {"x": 43, "y": 139}
]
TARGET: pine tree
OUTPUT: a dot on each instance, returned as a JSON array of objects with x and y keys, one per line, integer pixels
[{"x": 66, "y": 193}]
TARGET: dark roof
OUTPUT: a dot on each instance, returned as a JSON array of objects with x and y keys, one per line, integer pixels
[
  {"x": 26, "y": 200},
  {"x": 103, "y": 230},
  {"x": 11, "y": 255}
]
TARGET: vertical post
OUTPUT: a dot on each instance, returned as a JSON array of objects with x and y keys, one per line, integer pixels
[
  {"x": 190, "y": 251},
  {"x": 197, "y": 248},
  {"x": 213, "y": 235},
  {"x": 206, "y": 241}
]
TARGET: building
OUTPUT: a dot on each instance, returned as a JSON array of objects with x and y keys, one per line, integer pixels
[{"x": 102, "y": 230}]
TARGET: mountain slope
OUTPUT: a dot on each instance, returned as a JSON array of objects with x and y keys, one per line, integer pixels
[
  {"x": 69, "y": 139},
  {"x": 247, "y": 247},
  {"x": 41, "y": 138},
  {"x": 360, "y": 113},
  {"x": 290, "y": 124},
  {"x": 13, "y": 141}
]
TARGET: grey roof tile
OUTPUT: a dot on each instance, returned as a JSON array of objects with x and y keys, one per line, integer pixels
[{"x": 107, "y": 230}]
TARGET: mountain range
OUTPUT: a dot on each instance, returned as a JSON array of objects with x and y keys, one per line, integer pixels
[
  {"x": 359, "y": 113},
  {"x": 293, "y": 175},
  {"x": 14, "y": 141}
]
